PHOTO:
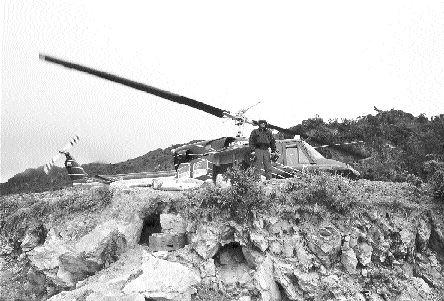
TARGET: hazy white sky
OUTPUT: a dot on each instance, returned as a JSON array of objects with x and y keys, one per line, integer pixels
[{"x": 337, "y": 59}]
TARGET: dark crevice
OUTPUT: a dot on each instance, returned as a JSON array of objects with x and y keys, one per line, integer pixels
[
  {"x": 229, "y": 254},
  {"x": 151, "y": 224}
]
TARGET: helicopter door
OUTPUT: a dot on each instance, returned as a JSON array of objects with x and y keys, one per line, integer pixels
[
  {"x": 183, "y": 172},
  {"x": 200, "y": 168},
  {"x": 295, "y": 156}
]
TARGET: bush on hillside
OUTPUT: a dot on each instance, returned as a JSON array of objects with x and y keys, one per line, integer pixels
[
  {"x": 238, "y": 202},
  {"x": 311, "y": 192},
  {"x": 435, "y": 171}
]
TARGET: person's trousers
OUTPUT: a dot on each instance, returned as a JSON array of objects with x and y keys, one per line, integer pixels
[{"x": 263, "y": 161}]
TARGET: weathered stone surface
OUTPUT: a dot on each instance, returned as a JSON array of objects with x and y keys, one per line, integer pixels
[
  {"x": 234, "y": 274},
  {"x": 423, "y": 235},
  {"x": 206, "y": 241},
  {"x": 252, "y": 257},
  {"x": 166, "y": 241},
  {"x": 289, "y": 245},
  {"x": 325, "y": 243},
  {"x": 308, "y": 282},
  {"x": 172, "y": 223},
  {"x": 282, "y": 273},
  {"x": 280, "y": 227},
  {"x": 429, "y": 269},
  {"x": 436, "y": 241},
  {"x": 161, "y": 278},
  {"x": 258, "y": 238},
  {"x": 364, "y": 253},
  {"x": 208, "y": 269},
  {"x": 33, "y": 237},
  {"x": 75, "y": 267},
  {"x": 349, "y": 261},
  {"x": 89, "y": 242},
  {"x": 334, "y": 285},
  {"x": 416, "y": 290},
  {"x": 45, "y": 257},
  {"x": 275, "y": 247},
  {"x": 264, "y": 281},
  {"x": 107, "y": 283},
  {"x": 100, "y": 297}
]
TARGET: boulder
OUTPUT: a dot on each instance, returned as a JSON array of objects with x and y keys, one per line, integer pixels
[
  {"x": 129, "y": 229},
  {"x": 283, "y": 274},
  {"x": 423, "y": 235},
  {"x": 207, "y": 268},
  {"x": 258, "y": 238},
  {"x": 280, "y": 227},
  {"x": 46, "y": 256},
  {"x": 74, "y": 267},
  {"x": 436, "y": 241},
  {"x": 172, "y": 223},
  {"x": 325, "y": 243},
  {"x": 161, "y": 278},
  {"x": 264, "y": 281},
  {"x": 166, "y": 241},
  {"x": 206, "y": 241},
  {"x": 349, "y": 261},
  {"x": 364, "y": 253},
  {"x": 275, "y": 247},
  {"x": 416, "y": 290},
  {"x": 107, "y": 283},
  {"x": 308, "y": 282},
  {"x": 429, "y": 269},
  {"x": 33, "y": 237}
]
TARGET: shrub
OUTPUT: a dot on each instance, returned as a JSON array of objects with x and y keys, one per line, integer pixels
[
  {"x": 309, "y": 191},
  {"x": 238, "y": 202},
  {"x": 435, "y": 171}
]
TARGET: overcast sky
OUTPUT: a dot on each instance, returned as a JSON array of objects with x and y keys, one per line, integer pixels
[{"x": 336, "y": 59}]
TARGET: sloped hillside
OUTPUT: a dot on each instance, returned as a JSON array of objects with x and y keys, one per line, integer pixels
[{"x": 314, "y": 237}]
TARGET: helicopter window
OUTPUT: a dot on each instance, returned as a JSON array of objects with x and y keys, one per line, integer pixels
[
  {"x": 313, "y": 152},
  {"x": 292, "y": 156},
  {"x": 303, "y": 157}
]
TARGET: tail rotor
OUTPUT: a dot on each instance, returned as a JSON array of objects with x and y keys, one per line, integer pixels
[{"x": 62, "y": 151}]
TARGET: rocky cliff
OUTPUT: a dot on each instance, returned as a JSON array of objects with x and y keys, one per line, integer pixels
[{"x": 315, "y": 237}]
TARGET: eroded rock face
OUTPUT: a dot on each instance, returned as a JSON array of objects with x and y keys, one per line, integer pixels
[
  {"x": 325, "y": 243},
  {"x": 67, "y": 262},
  {"x": 206, "y": 241},
  {"x": 265, "y": 282},
  {"x": 33, "y": 237},
  {"x": 378, "y": 256},
  {"x": 161, "y": 278}
]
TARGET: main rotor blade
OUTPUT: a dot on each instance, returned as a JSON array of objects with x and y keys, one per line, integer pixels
[{"x": 138, "y": 86}]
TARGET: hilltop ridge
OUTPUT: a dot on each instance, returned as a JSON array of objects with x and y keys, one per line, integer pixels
[{"x": 397, "y": 142}]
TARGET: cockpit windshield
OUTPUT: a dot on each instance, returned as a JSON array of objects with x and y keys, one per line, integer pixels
[{"x": 313, "y": 152}]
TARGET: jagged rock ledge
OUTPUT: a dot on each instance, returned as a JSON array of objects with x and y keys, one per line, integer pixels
[{"x": 98, "y": 244}]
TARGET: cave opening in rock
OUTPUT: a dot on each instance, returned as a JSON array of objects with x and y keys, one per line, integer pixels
[
  {"x": 229, "y": 254},
  {"x": 151, "y": 224}
]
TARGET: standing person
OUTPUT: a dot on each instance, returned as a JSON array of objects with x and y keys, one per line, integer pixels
[{"x": 261, "y": 139}]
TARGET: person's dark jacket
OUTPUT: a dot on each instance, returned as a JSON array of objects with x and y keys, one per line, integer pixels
[{"x": 262, "y": 139}]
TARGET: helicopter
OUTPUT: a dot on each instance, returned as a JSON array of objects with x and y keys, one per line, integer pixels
[{"x": 209, "y": 158}]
